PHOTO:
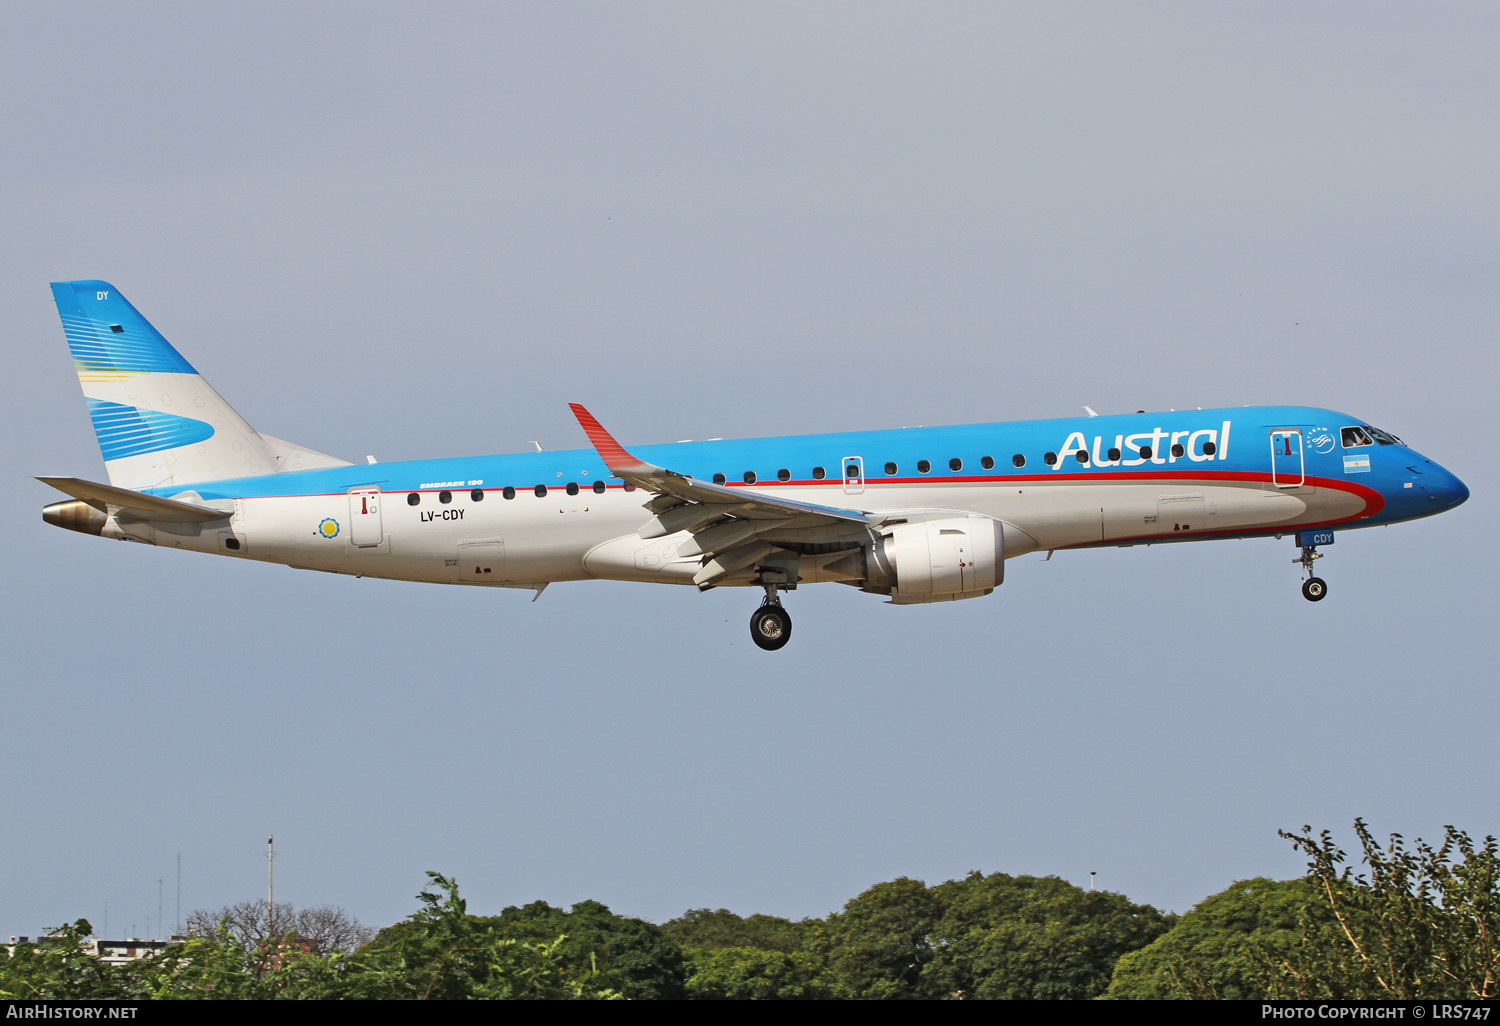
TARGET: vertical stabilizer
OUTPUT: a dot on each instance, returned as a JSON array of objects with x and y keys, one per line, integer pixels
[{"x": 158, "y": 422}]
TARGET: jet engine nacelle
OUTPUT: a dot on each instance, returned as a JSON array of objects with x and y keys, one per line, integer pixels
[{"x": 938, "y": 560}]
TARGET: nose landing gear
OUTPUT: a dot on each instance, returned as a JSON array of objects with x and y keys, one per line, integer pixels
[
  {"x": 770, "y": 625},
  {"x": 1314, "y": 588}
]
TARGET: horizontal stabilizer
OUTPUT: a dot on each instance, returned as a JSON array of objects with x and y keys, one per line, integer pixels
[{"x": 135, "y": 504}]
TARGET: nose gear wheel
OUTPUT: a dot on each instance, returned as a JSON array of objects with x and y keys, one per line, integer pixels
[{"x": 1314, "y": 588}]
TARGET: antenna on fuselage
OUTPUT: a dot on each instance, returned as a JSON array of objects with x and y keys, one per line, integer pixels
[
  {"x": 538, "y": 445},
  {"x": 1090, "y": 411}
]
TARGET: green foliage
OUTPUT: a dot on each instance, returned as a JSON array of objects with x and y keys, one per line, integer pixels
[
  {"x": 443, "y": 952},
  {"x": 1422, "y": 924},
  {"x": 632, "y": 956},
  {"x": 702, "y": 929},
  {"x": 58, "y": 968},
  {"x": 741, "y": 974},
  {"x": 879, "y": 945},
  {"x": 1226, "y": 947},
  {"x": 1031, "y": 937},
  {"x": 992, "y": 936}
]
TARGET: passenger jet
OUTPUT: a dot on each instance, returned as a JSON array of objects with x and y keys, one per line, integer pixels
[{"x": 917, "y": 514}]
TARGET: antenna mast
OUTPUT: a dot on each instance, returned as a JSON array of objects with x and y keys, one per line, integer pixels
[{"x": 270, "y": 887}]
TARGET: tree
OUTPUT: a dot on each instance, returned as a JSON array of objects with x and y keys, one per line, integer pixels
[
  {"x": 58, "y": 967},
  {"x": 1422, "y": 924},
  {"x": 702, "y": 929},
  {"x": 1227, "y": 947},
  {"x": 992, "y": 936},
  {"x": 633, "y": 956},
  {"x": 1032, "y": 937},
  {"x": 442, "y": 952},
  {"x": 322, "y": 929},
  {"x": 880, "y": 944},
  {"x": 740, "y": 974}
]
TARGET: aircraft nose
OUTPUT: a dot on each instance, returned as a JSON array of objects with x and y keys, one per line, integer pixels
[
  {"x": 1444, "y": 487},
  {"x": 1456, "y": 492}
]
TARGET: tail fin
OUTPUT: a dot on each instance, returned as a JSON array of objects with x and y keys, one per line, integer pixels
[{"x": 158, "y": 422}]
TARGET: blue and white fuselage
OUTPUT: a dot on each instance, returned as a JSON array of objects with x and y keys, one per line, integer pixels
[{"x": 917, "y": 514}]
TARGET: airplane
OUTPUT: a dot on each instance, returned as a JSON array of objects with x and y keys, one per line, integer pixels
[{"x": 917, "y": 515}]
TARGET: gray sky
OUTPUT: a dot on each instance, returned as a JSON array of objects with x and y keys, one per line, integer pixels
[{"x": 421, "y": 231}]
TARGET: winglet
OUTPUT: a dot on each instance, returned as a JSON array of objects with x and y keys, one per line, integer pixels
[{"x": 612, "y": 452}]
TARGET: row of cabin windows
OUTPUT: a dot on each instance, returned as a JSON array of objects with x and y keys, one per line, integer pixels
[
  {"x": 955, "y": 465},
  {"x": 477, "y": 495},
  {"x": 820, "y": 473}
]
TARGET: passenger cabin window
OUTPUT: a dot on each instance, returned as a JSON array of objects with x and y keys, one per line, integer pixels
[
  {"x": 598, "y": 487},
  {"x": 1081, "y": 457},
  {"x": 1356, "y": 436},
  {"x": 445, "y": 497},
  {"x": 749, "y": 477},
  {"x": 413, "y": 499},
  {"x": 508, "y": 492},
  {"x": 1114, "y": 455},
  {"x": 477, "y": 495},
  {"x": 988, "y": 463},
  {"x": 541, "y": 491},
  {"x": 923, "y": 466},
  {"x": 1209, "y": 448},
  {"x": 719, "y": 479},
  {"x": 819, "y": 473},
  {"x": 955, "y": 464},
  {"x": 572, "y": 487},
  {"x": 783, "y": 474},
  {"x": 1050, "y": 459},
  {"x": 890, "y": 470},
  {"x": 1145, "y": 452},
  {"x": 1178, "y": 450},
  {"x": 1018, "y": 460}
]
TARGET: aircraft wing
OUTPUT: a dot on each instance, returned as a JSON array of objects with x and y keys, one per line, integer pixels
[
  {"x": 726, "y": 523},
  {"x": 135, "y": 504}
]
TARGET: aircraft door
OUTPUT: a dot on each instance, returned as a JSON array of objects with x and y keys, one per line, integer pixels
[
  {"x": 365, "y": 529},
  {"x": 854, "y": 475},
  {"x": 1287, "y": 467}
]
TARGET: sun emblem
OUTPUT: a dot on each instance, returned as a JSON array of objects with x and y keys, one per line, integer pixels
[{"x": 329, "y": 528}]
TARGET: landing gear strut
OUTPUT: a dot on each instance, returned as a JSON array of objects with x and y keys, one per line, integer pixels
[
  {"x": 1314, "y": 588},
  {"x": 770, "y": 625}
]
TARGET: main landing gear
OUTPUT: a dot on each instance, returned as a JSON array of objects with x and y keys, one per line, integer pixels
[
  {"x": 770, "y": 625},
  {"x": 1314, "y": 588}
]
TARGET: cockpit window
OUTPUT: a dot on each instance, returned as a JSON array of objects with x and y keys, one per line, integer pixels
[
  {"x": 1354, "y": 436},
  {"x": 1383, "y": 437}
]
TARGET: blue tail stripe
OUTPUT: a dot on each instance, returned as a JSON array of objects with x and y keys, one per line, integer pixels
[{"x": 128, "y": 431}]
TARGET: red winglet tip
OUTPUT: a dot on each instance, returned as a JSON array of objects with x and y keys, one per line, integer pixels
[{"x": 612, "y": 452}]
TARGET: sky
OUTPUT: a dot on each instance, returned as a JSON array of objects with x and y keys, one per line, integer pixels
[{"x": 421, "y": 230}]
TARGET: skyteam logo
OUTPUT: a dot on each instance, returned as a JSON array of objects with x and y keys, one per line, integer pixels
[
  {"x": 329, "y": 528},
  {"x": 1321, "y": 441}
]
